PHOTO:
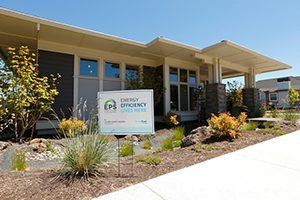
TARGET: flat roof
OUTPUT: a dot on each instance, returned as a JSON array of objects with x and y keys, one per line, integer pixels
[{"x": 17, "y": 28}]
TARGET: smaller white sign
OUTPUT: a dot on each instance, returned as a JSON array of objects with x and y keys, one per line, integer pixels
[{"x": 126, "y": 112}]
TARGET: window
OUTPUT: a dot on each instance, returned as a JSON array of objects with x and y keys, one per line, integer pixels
[
  {"x": 183, "y": 84},
  {"x": 173, "y": 74},
  {"x": 183, "y": 75},
  {"x": 174, "y": 97},
  {"x": 112, "y": 70},
  {"x": 132, "y": 72},
  {"x": 88, "y": 67},
  {"x": 183, "y": 97},
  {"x": 273, "y": 97}
]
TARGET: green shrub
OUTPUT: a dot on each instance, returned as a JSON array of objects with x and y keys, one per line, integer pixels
[
  {"x": 291, "y": 116},
  {"x": 151, "y": 160},
  {"x": 147, "y": 144},
  {"x": 176, "y": 143},
  {"x": 19, "y": 161},
  {"x": 226, "y": 125},
  {"x": 268, "y": 124},
  {"x": 201, "y": 147},
  {"x": 167, "y": 144},
  {"x": 274, "y": 113},
  {"x": 85, "y": 154},
  {"x": 126, "y": 149},
  {"x": 178, "y": 133},
  {"x": 49, "y": 147},
  {"x": 251, "y": 126}
]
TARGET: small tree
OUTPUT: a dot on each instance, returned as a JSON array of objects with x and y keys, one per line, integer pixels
[
  {"x": 23, "y": 93},
  {"x": 234, "y": 96},
  {"x": 293, "y": 97}
]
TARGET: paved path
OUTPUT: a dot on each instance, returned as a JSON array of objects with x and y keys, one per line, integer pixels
[{"x": 269, "y": 170}]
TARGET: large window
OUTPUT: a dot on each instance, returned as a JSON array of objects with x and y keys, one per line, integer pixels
[
  {"x": 112, "y": 70},
  {"x": 132, "y": 72},
  {"x": 88, "y": 67},
  {"x": 183, "y": 85}
]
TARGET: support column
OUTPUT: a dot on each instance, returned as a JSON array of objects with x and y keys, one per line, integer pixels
[
  {"x": 215, "y": 90},
  {"x": 251, "y": 94},
  {"x": 167, "y": 93}
]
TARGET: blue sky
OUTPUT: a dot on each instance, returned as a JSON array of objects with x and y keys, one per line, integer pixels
[{"x": 269, "y": 27}]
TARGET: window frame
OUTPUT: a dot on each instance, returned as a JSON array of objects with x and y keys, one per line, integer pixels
[
  {"x": 98, "y": 68},
  {"x": 110, "y": 78},
  {"x": 270, "y": 98}
]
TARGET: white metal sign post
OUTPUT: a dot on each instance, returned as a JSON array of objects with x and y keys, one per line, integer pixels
[{"x": 125, "y": 112}]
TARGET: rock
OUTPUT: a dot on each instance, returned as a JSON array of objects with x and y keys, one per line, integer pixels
[
  {"x": 38, "y": 147},
  {"x": 195, "y": 136},
  {"x": 3, "y": 145},
  {"x": 38, "y": 140}
]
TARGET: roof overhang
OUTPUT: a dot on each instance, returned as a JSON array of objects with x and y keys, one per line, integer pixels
[
  {"x": 236, "y": 56},
  {"x": 21, "y": 29}
]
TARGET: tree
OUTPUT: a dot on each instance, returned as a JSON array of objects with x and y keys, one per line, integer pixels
[
  {"x": 24, "y": 93},
  {"x": 234, "y": 95},
  {"x": 293, "y": 97}
]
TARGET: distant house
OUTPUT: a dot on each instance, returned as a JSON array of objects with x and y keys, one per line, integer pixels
[{"x": 275, "y": 91}]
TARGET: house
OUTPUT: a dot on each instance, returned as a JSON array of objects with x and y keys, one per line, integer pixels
[
  {"x": 90, "y": 61},
  {"x": 275, "y": 91}
]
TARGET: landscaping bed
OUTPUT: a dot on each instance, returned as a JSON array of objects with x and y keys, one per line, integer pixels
[{"x": 42, "y": 183}]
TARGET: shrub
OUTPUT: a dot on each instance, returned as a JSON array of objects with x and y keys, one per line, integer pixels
[
  {"x": 151, "y": 160},
  {"x": 172, "y": 119},
  {"x": 167, "y": 144},
  {"x": 178, "y": 133},
  {"x": 226, "y": 126},
  {"x": 201, "y": 147},
  {"x": 291, "y": 116},
  {"x": 251, "y": 126},
  {"x": 126, "y": 149},
  {"x": 268, "y": 124},
  {"x": 176, "y": 143},
  {"x": 272, "y": 131},
  {"x": 147, "y": 144},
  {"x": 49, "y": 147},
  {"x": 274, "y": 113},
  {"x": 71, "y": 127},
  {"x": 19, "y": 161}
]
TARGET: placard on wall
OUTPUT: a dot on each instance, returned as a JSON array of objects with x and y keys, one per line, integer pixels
[{"x": 126, "y": 112}]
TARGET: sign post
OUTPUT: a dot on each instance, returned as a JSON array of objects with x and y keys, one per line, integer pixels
[{"x": 126, "y": 112}]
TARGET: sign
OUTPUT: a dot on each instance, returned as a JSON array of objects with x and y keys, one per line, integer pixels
[{"x": 126, "y": 112}]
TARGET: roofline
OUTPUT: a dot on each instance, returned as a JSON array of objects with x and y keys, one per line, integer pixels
[{"x": 242, "y": 48}]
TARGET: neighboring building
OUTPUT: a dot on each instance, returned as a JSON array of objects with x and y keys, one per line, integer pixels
[
  {"x": 275, "y": 91},
  {"x": 90, "y": 61}
]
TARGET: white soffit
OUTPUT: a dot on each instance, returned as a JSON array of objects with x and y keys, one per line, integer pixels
[{"x": 244, "y": 57}]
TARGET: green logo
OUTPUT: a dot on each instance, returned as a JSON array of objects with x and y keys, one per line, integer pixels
[{"x": 110, "y": 105}]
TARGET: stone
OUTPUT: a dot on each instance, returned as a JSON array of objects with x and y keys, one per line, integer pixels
[
  {"x": 3, "y": 145},
  {"x": 38, "y": 147},
  {"x": 195, "y": 136},
  {"x": 38, "y": 140}
]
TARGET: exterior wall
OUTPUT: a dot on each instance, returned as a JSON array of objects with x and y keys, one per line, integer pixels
[
  {"x": 53, "y": 63},
  {"x": 215, "y": 99}
]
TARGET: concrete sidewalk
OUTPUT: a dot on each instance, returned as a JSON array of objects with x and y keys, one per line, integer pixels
[{"x": 268, "y": 170}]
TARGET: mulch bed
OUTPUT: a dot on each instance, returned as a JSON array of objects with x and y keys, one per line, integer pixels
[{"x": 40, "y": 184}]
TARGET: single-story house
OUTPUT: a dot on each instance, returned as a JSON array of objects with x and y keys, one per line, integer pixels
[
  {"x": 275, "y": 91},
  {"x": 90, "y": 61}
]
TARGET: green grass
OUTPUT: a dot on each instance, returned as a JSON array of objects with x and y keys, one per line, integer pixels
[
  {"x": 151, "y": 160},
  {"x": 272, "y": 131},
  {"x": 176, "y": 143},
  {"x": 178, "y": 133},
  {"x": 126, "y": 149},
  {"x": 147, "y": 144},
  {"x": 167, "y": 144},
  {"x": 19, "y": 161},
  {"x": 251, "y": 126},
  {"x": 202, "y": 147},
  {"x": 291, "y": 116},
  {"x": 49, "y": 147}
]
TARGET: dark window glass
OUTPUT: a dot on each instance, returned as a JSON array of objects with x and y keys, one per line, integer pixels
[
  {"x": 193, "y": 98},
  {"x": 112, "y": 70},
  {"x": 183, "y": 75},
  {"x": 273, "y": 97},
  {"x": 174, "y": 97},
  {"x": 183, "y": 98},
  {"x": 173, "y": 74},
  {"x": 88, "y": 67},
  {"x": 132, "y": 72},
  {"x": 192, "y": 79}
]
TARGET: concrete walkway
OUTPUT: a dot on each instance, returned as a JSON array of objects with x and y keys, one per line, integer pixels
[{"x": 269, "y": 170}]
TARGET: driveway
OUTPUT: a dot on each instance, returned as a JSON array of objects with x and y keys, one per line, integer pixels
[{"x": 268, "y": 170}]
